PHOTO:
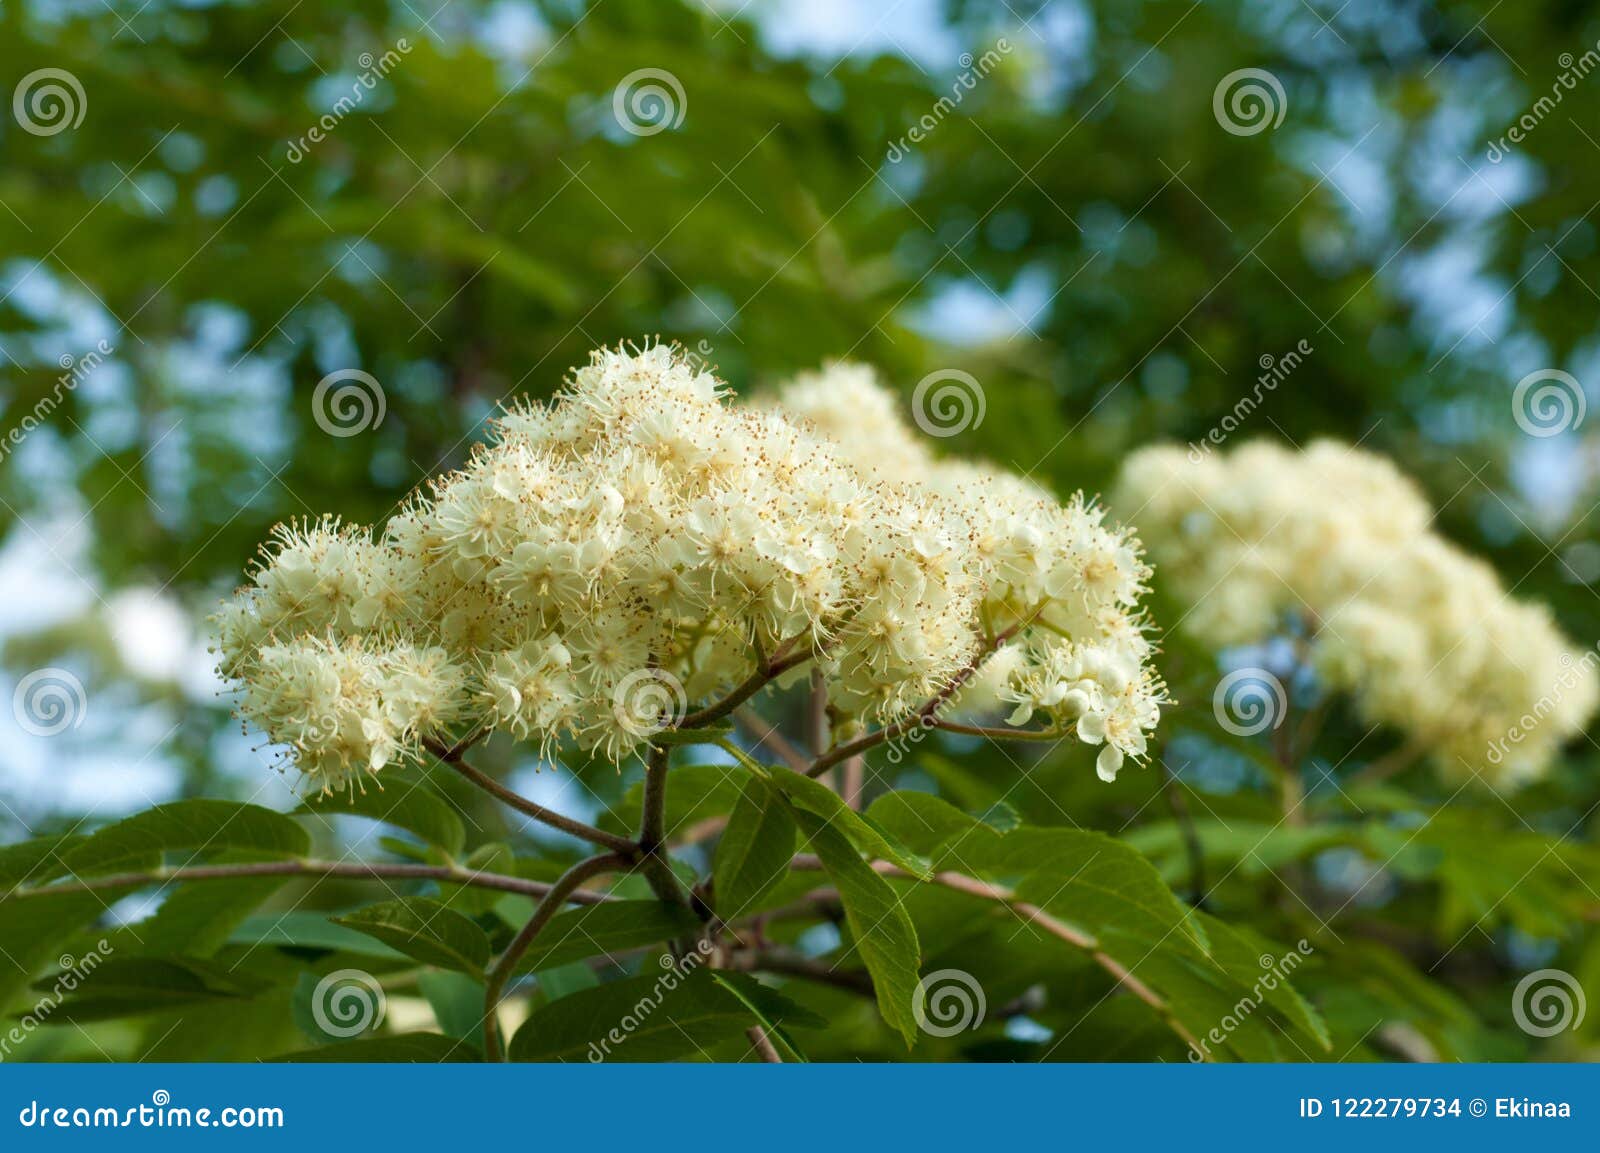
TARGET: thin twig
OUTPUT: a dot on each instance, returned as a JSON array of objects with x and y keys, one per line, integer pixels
[
  {"x": 764, "y": 1046},
  {"x": 789, "y": 963},
  {"x": 451, "y": 756},
  {"x": 766, "y": 671},
  {"x": 962, "y": 883},
  {"x": 495, "y": 979},
  {"x": 926, "y": 715}
]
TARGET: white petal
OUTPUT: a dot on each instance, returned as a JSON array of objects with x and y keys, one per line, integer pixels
[{"x": 1107, "y": 763}]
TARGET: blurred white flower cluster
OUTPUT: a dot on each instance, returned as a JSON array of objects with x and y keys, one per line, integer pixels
[
  {"x": 640, "y": 547},
  {"x": 1421, "y": 635}
]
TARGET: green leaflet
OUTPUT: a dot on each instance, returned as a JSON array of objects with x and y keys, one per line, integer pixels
[
  {"x": 426, "y": 930},
  {"x": 134, "y": 986},
  {"x": 758, "y": 999},
  {"x": 401, "y": 799},
  {"x": 299, "y": 929},
  {"x": 755, "y": 849},
  {"x": 609, "y": 927},
  {"x": 930, "y": 826},
  {"x": 879, "y": 924},
  {"x": 663, "y": 1016},
  {"x": 35, "y": 862},
  {"x": 1087, "y": 879},
  {"x": 1258, "y": 966},
  {"x": 564, "y": 980},
  {"x": 195, "y": 827},
  {"x": 32, "y": 930},
  {"x": 457, "y": 1002},
  {"x": 815, "y": 798}
]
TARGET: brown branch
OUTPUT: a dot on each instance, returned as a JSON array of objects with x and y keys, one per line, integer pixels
[
  {"x": 817, "y": 715},
  {"x": 451, "y": 755},
  {"x": 852, "y": 781},
  {"x": 495, "y": 980},
  {"x": 652, "y": 843}
]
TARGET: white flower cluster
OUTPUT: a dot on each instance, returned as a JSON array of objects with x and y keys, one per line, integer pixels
[
  {"x": 1421, "y": 635},
  {"x": 640, "y": 546}
]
